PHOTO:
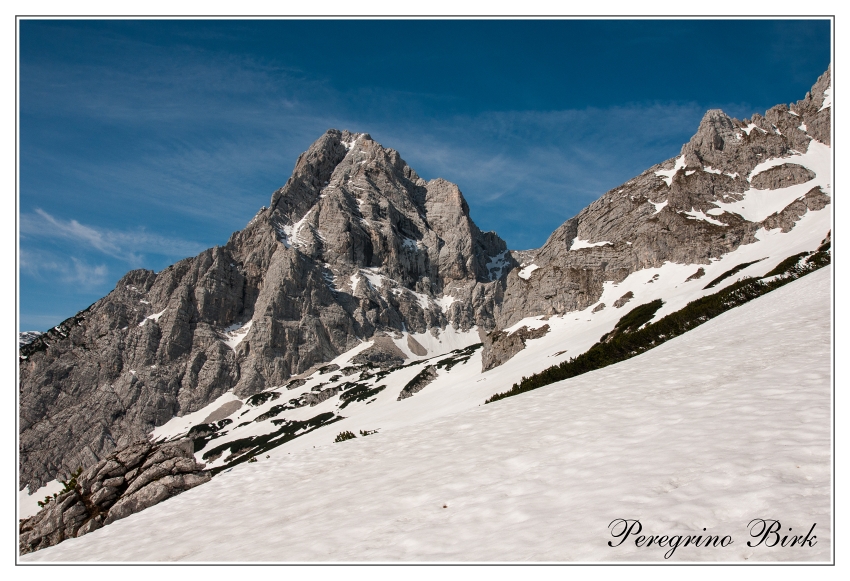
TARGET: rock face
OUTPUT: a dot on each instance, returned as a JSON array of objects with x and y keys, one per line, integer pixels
[
  {"x": 500, "y": 346},
  {"x": 355, "y": 243},
  {"x": 663, "y": 214},
  {"x": 133, "y": 479}
]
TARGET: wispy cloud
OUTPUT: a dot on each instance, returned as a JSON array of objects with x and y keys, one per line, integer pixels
[
  {"x": 129, "y": 246},
  {"x": 64, "y": 269}
]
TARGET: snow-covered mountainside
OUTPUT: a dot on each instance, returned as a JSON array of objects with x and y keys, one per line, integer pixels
[
  {"x": 364, "y": 302},
  {"x": 695, "y": 437}
]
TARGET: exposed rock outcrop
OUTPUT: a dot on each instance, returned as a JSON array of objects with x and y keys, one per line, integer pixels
[
  {"x": 418, "y": 383},
  {"x": 500, "y": 346},
  {"x": 133, "y": 479}
]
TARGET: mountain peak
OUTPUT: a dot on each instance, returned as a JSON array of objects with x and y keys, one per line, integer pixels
[{"x": 715, "y": 130}]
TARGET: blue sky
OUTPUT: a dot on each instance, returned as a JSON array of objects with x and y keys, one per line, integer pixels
[{"x": 145, "y": 142}]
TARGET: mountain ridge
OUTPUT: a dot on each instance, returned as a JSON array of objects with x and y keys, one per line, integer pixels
[{"x": 357, "y": 246}]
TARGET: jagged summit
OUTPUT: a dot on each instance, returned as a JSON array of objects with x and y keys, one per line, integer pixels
[{"x": 354, "y": 245}]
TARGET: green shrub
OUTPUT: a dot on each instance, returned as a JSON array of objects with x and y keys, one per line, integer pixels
[
  {"x": 343, "y": 436},
  {"x": 730, "y": 272},
  {"x": 259, "y": 399}
]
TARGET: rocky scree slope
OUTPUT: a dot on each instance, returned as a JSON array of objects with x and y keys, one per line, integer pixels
[
  {"x": 354, "y": 245},
  {"x": 689, "y": 210}
]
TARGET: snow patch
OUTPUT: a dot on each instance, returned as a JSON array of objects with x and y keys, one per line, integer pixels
[
  {"x": 658, "y": 206},
  {"x": 177, "y": 426},
  {"x": 759, "y": 204},
  {"x": 526, "y": 271},
  {"x": 373, "y": 276},
  {"x": 236, "y": 333},
  {"x": 590, "y": 429},
  {"x": 445, "y": 302},
  {"x": 827, "y": 99},
  {"x": 27, "y": 337},
  {"x": 497, "y": 265},
  {"x": 330, "y": 278},
  {"x": 699, "y": 215},
  {"x": 290, "y": 233},
  {"x": 410, "y": 244},
  {"x": 154, "y": 317},
  {"x": 579, "y": 244},
  {"x": 667, "y": 174},
  {"x": 28, "y": 501},
  {"x": 750, "y": 127}
]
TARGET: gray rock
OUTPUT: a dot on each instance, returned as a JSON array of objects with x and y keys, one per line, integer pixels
[
  {"x": 154, "y": 348},
  {"x": 114, "y": 482},
  {"x": 383, "y": 353},
  {"x": 104, "y": 493},
  {"x": 222, "y": 412},
  {"x": 782, "y": 176},
  {"x": 94, "y": 502},
  {"x": 500, "y": 346},
  {"x": 785, "y": 220},
  {"x": 624, "y": 299},
  {"x": 418, "y": 383},
  {"x": 416, "y": 347}
]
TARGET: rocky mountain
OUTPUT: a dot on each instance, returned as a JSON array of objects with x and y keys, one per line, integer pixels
[
  {"x": 691, "y": 209},
  {"x": 361, "y": 295},
  {"x": 354, "y": 245}
]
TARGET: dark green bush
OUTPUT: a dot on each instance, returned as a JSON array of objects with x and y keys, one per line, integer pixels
[
  {"x": 343, "y": 436},
  {"x": 262, "y": 397},
  {"x": 730, "y": 272}
]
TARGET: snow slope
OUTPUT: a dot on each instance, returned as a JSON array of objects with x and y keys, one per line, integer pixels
[{"x": 727, "y": 423}]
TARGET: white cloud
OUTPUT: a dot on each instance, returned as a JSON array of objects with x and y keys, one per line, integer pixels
[
  {"x": 66, "y": 270},
  {"x": 128, "y": 246}
]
